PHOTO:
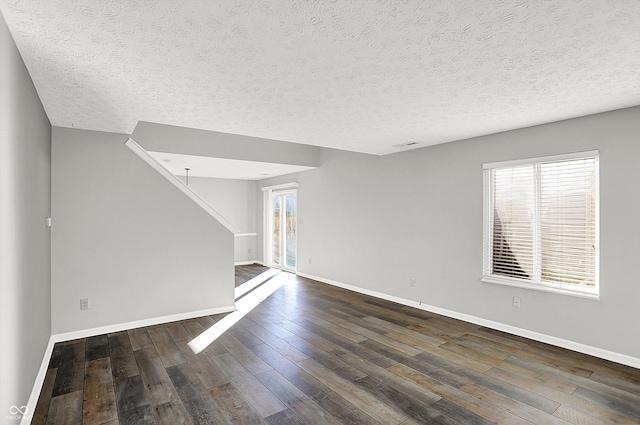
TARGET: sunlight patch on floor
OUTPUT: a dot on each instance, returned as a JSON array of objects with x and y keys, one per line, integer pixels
[
  {"x": 274, "y": 280},
  {"x": 254, "y": 282}
]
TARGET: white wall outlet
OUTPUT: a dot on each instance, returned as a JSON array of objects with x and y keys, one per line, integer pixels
[
  {"x": 516, "y": 302},
  {"x": 309, "y": 260},
  {"x": 412, "y": 282},
  {"x": 84, "y": 304}
]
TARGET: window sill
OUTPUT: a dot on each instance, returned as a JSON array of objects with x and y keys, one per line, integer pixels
[{"x": 591, "y": 294}]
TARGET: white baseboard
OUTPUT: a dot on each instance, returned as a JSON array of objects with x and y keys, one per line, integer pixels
[
  {"x": 85, "y": 333},
  {"x": 536, "y": 336},
  {"x": 245, "y": 263},
  {"x": 37, "y": 385}
]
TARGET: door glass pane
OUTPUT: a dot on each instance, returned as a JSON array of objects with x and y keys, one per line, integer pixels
[
  {"x": 291, "y": 228},
  {"x": 277, "y": 231}
]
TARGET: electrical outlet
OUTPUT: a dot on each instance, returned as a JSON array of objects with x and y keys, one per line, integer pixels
[
  {"x": 309, "y": 260},
  {"x": 412, "y": 282},
  {"x": 84, "y": 304},
  {"x": 516, "y": 302}
]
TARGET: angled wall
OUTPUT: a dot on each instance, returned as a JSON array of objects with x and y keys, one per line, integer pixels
[
  {"x": 189, "y": 141},
  {"x": 25, "y": 248},
  {"x": 128, "y": 240}
]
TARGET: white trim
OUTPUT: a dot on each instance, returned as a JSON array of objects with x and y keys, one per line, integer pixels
[
  {"x": 245, "y": 234},
  {"x": 244, "y": 263},
  {"x": 580, "y": 291},
  {"x": 487, "y": 228},
  {"x": 144, "y": 155},
  {"x": 536, "y": 336},
  {"x": 266, "y": 260},
  {"x": 292, "y": 185},
  {"x": 551, "y": 158},
  {"x": 38, "y": 383},
  {"x": 85, "y": 333},
  {"x": 268, "y": 235},
  {"x": 536, "y": 282}
]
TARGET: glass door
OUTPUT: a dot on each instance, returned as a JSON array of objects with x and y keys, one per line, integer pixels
[{"x": 284, "y": 220}]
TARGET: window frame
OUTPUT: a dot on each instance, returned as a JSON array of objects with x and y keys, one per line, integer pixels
[{"x": 488, "y": 216}]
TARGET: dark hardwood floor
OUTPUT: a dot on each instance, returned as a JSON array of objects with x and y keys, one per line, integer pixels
[
  {"x": 315, "y": 354},
  {"x": 244, "y": 273}
]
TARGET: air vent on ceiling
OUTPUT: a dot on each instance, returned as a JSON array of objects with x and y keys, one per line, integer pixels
[{"x": 406, "y": 145}]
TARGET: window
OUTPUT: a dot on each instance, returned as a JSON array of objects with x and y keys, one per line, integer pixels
[{"x": 541, "y": 223}]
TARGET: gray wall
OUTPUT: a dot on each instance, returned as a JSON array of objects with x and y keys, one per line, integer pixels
[
  {"x": 127, "y": 239},
  {"x": 234, "y": 200},
  {"x": 375, "y": 222},
  {"x": 25, "y": 242}
]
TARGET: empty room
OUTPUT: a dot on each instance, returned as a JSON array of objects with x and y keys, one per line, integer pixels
[{"x": 319, "y": 212}]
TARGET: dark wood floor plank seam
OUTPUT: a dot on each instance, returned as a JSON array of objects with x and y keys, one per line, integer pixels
[
  {"x": 99, "y": 404},
  {"x": 461, "y": 398},
  {"x": 324, "y": 396},
  {"x": 296, "y": 401},
  {"x": 393, "y": 328},
  {"x": 66, "y": 408},
  {"x": 70, "y": 374},
  {"x": 626, "y": 408},
  {"x": 581, "y": 381},
  {"x": 512, "y": 405},
  {"x": 158, "y": 385},
  {"x": 375, "y": 408},
  {"x": 421, "y": 412},
  {"x": 569, "y": 400},
  {"x": 406, "y": 387},
  {"x": 539, "y": 402},
  {"x": 132, "y": 402},
  {"x": 263, "y": 400},
  {"x": 446, "y": 376},
  {"x": 123, "y": 362}
]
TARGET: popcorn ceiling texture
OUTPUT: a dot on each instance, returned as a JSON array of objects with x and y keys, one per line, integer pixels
[{"x": 355, "y": 75}]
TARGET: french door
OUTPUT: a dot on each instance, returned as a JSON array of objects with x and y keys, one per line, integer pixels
[{"x": 283, "y": 228}]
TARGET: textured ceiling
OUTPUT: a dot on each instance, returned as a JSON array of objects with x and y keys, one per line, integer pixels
[{"x": 355, "y": 75}]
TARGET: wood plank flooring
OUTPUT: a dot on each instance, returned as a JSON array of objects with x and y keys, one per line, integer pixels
[
  {"x": 315, "y": 354},
  {"x": 246, "y": 272}
]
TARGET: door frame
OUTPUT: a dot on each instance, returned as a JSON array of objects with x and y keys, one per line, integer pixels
[{"x": 269, "y": 193}]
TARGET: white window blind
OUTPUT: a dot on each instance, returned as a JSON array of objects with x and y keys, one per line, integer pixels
[{"x": 541, "y": 223}]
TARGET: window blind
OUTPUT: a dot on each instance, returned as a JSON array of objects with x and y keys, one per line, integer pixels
[
  {"x": 513, "y": 222},
  {"x": 541, "y": 221},
  {"x": 568, "y": 221}
]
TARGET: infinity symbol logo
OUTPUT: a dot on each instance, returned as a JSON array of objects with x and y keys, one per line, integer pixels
[{"x": 14, "y": 410}]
